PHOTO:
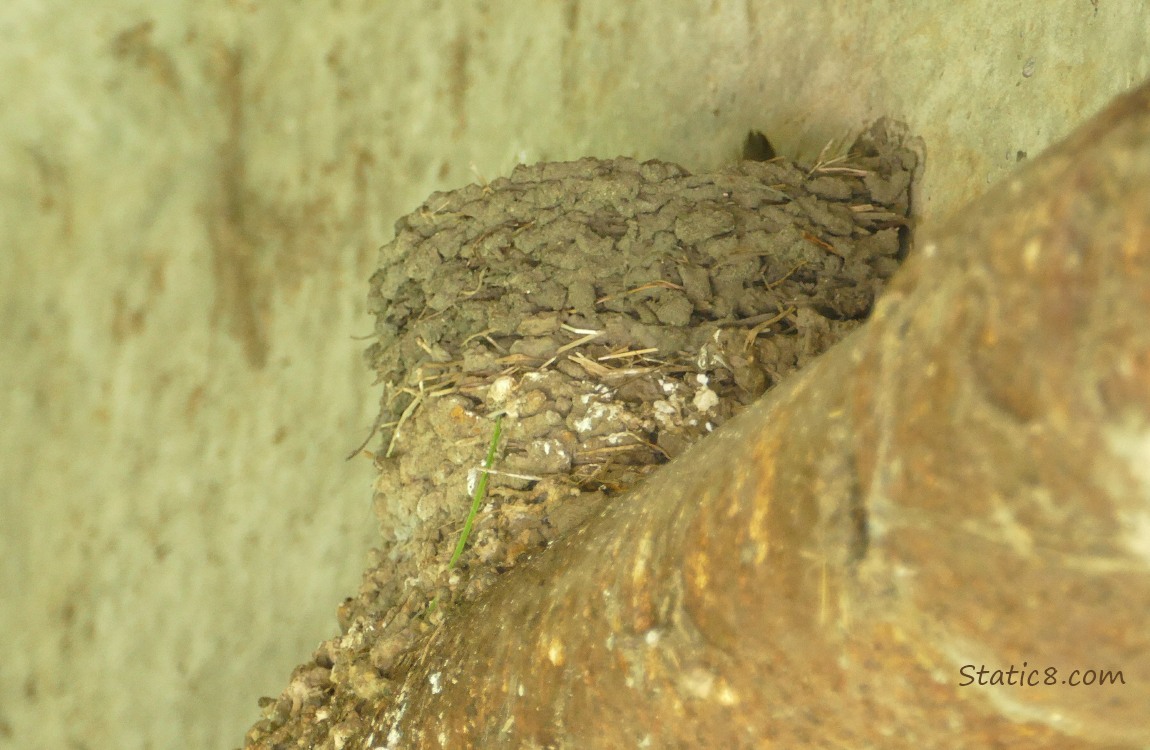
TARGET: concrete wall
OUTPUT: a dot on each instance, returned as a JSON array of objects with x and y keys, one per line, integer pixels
[{"x": 191, "y": 196}]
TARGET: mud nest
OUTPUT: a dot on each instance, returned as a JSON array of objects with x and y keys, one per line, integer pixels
[{"x": 613, "y": 312}]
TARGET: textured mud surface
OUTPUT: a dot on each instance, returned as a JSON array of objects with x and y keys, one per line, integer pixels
[{"x": 613, "y": 312}]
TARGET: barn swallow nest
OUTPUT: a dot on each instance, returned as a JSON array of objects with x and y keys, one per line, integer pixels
[{"x": 614, "y": 311}]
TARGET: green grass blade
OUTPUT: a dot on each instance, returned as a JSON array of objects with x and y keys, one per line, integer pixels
[{"x": 480, "y": 491}]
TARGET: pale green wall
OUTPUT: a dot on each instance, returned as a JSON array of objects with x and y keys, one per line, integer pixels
[{"x": 188, "y": 216}]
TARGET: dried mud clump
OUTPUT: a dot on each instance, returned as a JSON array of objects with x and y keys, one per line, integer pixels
[{"x": 613, "y": 311}]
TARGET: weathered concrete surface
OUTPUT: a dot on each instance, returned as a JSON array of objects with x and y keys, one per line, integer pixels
[{"x": 964, "y": 481}]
